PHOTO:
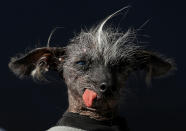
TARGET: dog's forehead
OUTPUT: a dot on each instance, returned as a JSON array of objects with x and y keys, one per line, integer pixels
[{"x": 81, "y": 50}]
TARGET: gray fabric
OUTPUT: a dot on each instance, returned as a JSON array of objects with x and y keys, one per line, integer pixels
[{"x": 64, "y": 128}]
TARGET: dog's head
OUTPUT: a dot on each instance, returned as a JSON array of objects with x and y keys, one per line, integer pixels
[{"x": 95, "y": 65}]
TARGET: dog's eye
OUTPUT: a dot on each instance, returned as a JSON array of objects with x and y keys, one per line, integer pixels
[{"x": 81, "y": 62}]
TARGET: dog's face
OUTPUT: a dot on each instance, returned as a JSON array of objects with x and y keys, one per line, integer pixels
[{"x": 85, "y": 69}]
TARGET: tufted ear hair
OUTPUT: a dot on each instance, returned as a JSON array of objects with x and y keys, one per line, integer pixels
[{"x": 37, "y": 62}]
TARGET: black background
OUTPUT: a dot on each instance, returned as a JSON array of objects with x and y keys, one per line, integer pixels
[{"x": 29, "y": 106}]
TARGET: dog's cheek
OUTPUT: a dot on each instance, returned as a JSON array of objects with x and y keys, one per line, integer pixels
[
  {"x": 70, "y": 76},
  {"x": 112, "y": 103},
  {"x": 81, "y": 84},
  {"x": 74, "y": 81}
]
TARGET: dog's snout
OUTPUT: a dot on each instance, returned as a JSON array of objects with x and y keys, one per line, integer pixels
[{"x": 103, "y": 87}]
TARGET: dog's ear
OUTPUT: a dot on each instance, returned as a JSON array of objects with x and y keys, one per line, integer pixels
[
  {"x": 37, "y": 62},
  {"x": 154, "y": 64}
]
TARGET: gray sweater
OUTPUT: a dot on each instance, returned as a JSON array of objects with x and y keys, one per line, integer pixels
[{"x": 64, "y": 128}]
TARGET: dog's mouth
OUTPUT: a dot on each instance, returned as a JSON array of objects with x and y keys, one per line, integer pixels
[
  {"x": 94, "y": 101},
  {"x": 88, "y": 97}
]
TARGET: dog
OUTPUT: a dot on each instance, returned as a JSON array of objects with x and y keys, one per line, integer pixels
[{"x": 95, "y": 66}]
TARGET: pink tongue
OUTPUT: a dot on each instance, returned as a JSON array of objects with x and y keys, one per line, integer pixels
[{"x": 88, "y": 97}]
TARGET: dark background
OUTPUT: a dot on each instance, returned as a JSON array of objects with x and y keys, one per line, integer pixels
[{"x": 29, "y": 106}]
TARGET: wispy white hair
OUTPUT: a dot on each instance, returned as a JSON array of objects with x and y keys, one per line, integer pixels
[
  {"x": 100, "y": 33},
  {"x": 109, "y": 42}
]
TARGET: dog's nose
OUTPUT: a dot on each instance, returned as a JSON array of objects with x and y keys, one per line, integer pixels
[{"x": 103, "y": 87}]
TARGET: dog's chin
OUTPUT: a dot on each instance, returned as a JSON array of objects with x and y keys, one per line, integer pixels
[{"x": 100, "y": 105}]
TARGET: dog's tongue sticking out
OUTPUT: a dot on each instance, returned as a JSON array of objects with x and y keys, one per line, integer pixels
[{"x": 88, "y": 97}]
